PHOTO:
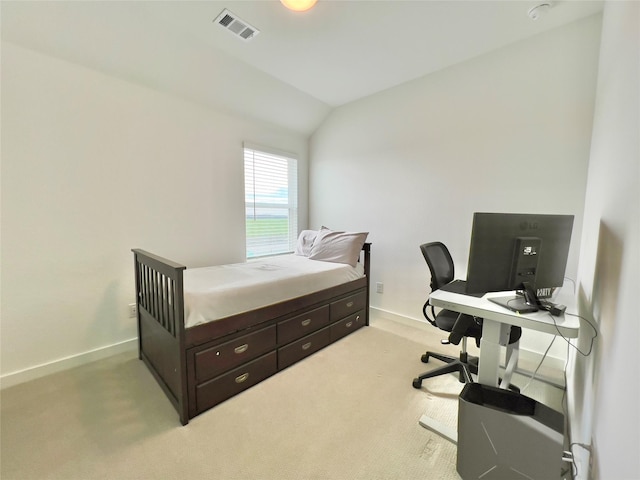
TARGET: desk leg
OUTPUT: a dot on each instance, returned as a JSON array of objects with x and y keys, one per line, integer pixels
[{"x": 494, "y": 334}]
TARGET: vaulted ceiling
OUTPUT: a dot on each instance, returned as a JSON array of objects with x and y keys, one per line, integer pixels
[{"x": 298, "y": 67}]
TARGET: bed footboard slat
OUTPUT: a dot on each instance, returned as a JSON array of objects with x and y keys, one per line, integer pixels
[
  {"x": 178, "y": 307},
  {"x": 165, "y": 304},
  {"x": 154, "y": 297}
]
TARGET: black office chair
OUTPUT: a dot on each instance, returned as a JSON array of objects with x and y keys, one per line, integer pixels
[{"x": 460, "y": 326}]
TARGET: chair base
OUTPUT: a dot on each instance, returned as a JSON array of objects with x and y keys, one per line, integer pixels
[{"x": 464, "y": 365}]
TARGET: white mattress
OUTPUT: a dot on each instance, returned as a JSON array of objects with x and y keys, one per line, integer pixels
[{"x": 212, "y": 293}]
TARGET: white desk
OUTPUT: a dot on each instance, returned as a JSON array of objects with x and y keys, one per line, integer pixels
[{"x": 495, "y": 327}]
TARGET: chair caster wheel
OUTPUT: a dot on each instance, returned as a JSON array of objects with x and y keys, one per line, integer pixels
[
  {"x": 417, "y": 383},
  {"x": 424, "y": 358}
]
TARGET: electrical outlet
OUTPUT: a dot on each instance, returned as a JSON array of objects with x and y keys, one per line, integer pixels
[
  {"x": 379, "y": 287},
  {"x": 133, "y": 310}
]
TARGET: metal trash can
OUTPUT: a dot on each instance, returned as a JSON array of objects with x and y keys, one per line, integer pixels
[{"x": 507, "y": 435}]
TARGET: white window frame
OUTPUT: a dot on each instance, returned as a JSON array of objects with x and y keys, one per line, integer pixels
[{"x": 265, "y": 170}]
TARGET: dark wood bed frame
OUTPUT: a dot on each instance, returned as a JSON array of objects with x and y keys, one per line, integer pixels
[{"x": 201, "y": 366}]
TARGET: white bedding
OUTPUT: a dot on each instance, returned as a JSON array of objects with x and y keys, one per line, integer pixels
[{"x": 212, "y": 293}]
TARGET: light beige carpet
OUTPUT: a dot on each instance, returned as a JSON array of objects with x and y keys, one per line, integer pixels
[{"x": 347, "y": 412}]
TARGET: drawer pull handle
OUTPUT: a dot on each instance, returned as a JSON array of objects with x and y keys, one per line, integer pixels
[
  {"x": 348, "y": 325},
  {"x": 357, "y": 318},
  {"x": 242, "y": 378},
  {"x": 350, "y": 304},
  {"x": 306, "y": 322},
  {"x": 306, "y": 346},
  {"x": 241, "y": 348}
]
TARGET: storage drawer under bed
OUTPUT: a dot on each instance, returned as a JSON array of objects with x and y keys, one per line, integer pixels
[
  {"x": 301, "y": 325},
  {"x": 226, "y": 386},
  {"x": 216, "y": 360},
  {"x": 304, "y": 347},
  {"x": 348, "y": 305},
  {"x": 346, "y": 326}
]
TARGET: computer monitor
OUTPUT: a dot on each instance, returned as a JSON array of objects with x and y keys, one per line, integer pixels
[{"x": 512, "y": 251}]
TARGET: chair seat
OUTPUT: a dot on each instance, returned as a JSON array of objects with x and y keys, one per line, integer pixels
[
  {"x": 468, "y": 326},
  {"x": 446, "y": 320}
]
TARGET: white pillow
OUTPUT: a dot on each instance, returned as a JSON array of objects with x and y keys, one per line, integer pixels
[
  {"x": 338, "y": 247},
  {"x": 305, "y": 242}
]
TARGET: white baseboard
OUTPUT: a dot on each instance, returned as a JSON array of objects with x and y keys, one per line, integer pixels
[
  {"x": 31, "y": 373},
  {"x": 396, "y": 317}
]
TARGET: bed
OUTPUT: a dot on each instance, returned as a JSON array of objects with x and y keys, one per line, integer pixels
[{"x": 208, "y": 334}]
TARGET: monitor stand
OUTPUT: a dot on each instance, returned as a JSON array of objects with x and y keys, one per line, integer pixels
[{"x": 515, "y": 303}]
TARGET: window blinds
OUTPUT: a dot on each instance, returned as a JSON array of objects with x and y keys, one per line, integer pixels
[{"x": 271, "y": 202}]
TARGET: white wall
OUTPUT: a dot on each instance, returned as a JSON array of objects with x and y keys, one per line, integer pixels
[
  {"x": 143, "y": 42},
  {"x": 93, "y": 166},
  {"x": 605, "y": 386},
  {"x": 508, "y": 131}
]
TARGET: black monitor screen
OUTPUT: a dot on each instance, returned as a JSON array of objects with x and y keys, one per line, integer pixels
[{"x": 508, "y": 249}]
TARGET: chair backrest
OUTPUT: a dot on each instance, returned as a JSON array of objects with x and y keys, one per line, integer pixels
[{"x": 440, "y": 263}]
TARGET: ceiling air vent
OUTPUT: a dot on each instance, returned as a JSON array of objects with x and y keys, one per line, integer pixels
[{"x": 238, "y": 27}]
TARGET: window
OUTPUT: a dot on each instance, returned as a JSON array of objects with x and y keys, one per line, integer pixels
[{"x": 271, "y": 201}]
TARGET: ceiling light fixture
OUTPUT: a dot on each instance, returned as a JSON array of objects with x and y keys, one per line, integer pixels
[{"x": 298, "y": 5}]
